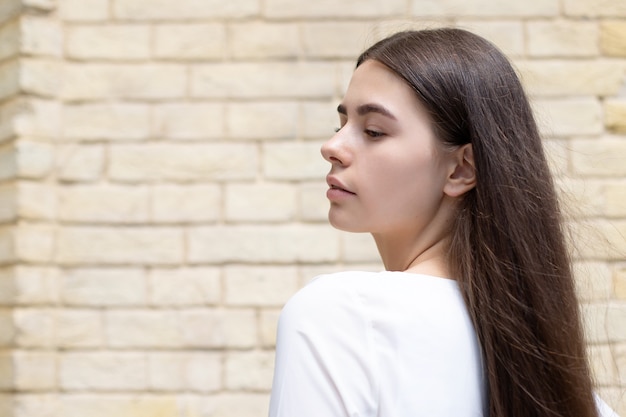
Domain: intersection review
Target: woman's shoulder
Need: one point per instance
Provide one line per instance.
(366, 295)
(328, 293)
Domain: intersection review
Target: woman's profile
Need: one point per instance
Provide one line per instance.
(438, 156)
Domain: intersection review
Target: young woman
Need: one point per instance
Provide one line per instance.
(439, 158)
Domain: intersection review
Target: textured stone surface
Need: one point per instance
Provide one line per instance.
(247, 244)
(485, 8)
(162, 192)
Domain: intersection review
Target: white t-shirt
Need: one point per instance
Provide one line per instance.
(387, 344)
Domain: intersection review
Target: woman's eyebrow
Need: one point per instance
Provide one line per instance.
(363, 109)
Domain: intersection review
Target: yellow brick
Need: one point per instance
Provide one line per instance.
(35, 285)
(40, 76)
(259, 285)
(144, 328)
(485, 8)
(190, 41)
(8, 168)
(36, 201)
(615, 114)
(7, 371)
(507, 35)
(119, 121)
(264, 40)
(272, 202)
(184, 9)
(249, 370)
(613, 38)
(619, 282)
(28, 285)
(557, 155)
(271, 120)
(576, 77)
(593, 281)
(35, 327)
(43, 5)
(312, 201)
(242, 243)
(187, 203)
(35, 242)
(286, 9)
(292, 160)
(582, 198)
(594, 8)
(602, 157)
(103, 287)
(183, 162)
(277, 80)
(615, 199)
(9, 78)
(141, 81)
(268, 326)
(241, 405)
(600, 240)
(562, 38)
(180, 371)
(214, 328)
(318, 119)
(199, 286)
(41, 36)
(37, 117)
(86, 245)
(34, 159)
(35, 370)
(10, 35)
(7, 244)
(559, 117)
(196, 121)
(336, 39)
(79, 162)
(9, 8)
(124, 42)
(102, 371)
(119, 405)
(603, 365)
(36, 404)
(8, 202)
(358, 247)
(103, 204)
(83, 10)
(79, 329)
(8, 330)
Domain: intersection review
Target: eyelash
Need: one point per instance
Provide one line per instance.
(374, 134)
(371, 133)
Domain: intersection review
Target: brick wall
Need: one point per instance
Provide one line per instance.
(161, 187)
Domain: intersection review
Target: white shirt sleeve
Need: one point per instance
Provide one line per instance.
(324, 362)
(603, 408)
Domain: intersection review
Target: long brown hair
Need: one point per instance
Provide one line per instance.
(507, 250)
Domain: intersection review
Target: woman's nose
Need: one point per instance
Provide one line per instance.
(335, 151)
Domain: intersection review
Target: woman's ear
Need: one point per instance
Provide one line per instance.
(462, 177)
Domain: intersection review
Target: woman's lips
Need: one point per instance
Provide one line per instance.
(337, 194)
(337, 191)
(334, 183)
(334, 187)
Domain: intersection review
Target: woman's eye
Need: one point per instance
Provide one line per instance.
(373, 133)
(337, 129)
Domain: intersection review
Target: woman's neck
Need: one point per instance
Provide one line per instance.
(414, 255)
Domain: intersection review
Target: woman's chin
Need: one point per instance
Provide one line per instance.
(345, 225)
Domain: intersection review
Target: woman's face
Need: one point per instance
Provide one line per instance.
(388, 168)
